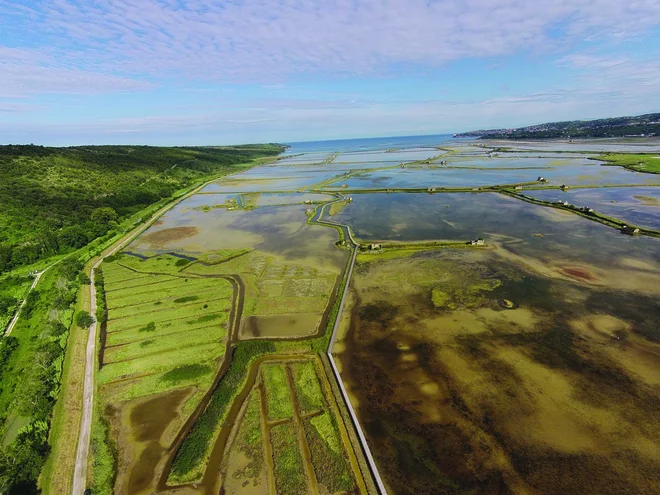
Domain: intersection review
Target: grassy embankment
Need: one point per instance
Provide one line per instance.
(648, 163)
(593, 215)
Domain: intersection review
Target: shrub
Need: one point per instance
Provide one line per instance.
(84, 319)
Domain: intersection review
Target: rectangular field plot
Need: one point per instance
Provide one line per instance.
(168, 328)
(308, 391)
(161, 361)
(171, 303)
(278, 396)
(159, 323)
(156, 290)
(164, 263)
(288, 462)
(328, 457)
(148, 344)
(185, 315)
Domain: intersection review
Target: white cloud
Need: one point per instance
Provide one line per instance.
(268, 41)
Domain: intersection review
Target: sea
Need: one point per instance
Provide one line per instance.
(371, 144)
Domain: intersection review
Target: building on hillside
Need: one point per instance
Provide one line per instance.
(541, 179)
(478, 242)
(563, 187)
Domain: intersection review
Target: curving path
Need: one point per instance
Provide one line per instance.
(13, 321)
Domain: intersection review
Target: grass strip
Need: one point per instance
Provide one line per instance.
(308, 390)
(278, 397)
(328, 456)
(288, 463)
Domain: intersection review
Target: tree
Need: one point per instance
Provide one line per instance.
(5, 257)
(6, 302)
(73, 236)
(84, 319)
(70, 267)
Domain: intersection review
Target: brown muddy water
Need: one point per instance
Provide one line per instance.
(459, 395)
(145, 445)
(279, 326)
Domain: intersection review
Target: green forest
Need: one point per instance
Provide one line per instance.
(55, 200)
(640, 125)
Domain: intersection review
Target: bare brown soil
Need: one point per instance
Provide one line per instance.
(161, 238)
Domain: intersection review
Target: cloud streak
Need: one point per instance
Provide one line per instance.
(268, 41)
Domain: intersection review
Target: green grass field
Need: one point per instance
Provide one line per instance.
(308, 390)
(328, 456)
(278, 396)
(149, 319)
(638, 163)
(289, 469)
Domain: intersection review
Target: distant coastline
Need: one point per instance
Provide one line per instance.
(647, 125)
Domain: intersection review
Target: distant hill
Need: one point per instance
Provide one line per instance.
(641, 125)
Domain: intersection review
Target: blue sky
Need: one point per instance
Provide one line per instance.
(182, 72)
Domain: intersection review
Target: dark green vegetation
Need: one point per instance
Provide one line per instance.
(12, 290)
(187, 372)
(84, 319)
(30, 368)
(58, 199)
(648, 125)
